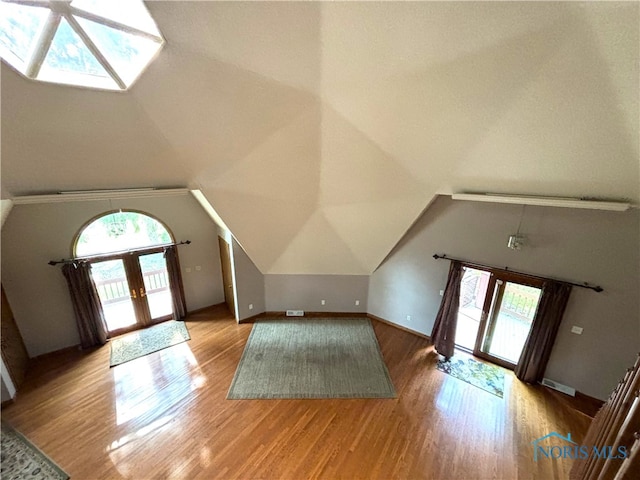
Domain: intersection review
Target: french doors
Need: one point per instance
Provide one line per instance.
(496, 313)
(133, 288)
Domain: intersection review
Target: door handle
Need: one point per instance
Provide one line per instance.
(133, 293)
(142, 292)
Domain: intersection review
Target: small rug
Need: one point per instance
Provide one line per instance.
(312, 358)
(482, 375)
(143, 342)
(20, 459)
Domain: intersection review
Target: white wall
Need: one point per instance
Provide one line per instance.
(249, 283)
(306, 292)
(580, 245)
(35, 234)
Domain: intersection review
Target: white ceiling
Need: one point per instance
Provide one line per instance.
(320, 131)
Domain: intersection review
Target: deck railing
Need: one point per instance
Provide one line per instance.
(521, 301)
(155, 280)
(116, 290)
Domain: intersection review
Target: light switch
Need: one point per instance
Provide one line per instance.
(188, 269)
(198, 268)
(576, 330)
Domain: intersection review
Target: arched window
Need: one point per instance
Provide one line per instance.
(128, 253)
(120, 231)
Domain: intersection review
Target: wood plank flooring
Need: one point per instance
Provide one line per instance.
(166, 416)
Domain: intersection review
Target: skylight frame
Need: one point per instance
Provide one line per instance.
(63, 9)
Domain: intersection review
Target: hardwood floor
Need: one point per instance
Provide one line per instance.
(166, 416)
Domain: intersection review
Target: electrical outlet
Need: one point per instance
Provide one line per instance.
(357, 302)
(322, 302)
(441, 292)
(187, 270)
(198, 268)
(408, 318)
(576, 330)
(251, 306)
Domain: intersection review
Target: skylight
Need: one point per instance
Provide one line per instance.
(104, 44)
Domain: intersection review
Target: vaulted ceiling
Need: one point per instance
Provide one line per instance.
(320, 131)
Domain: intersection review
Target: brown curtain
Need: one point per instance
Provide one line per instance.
(175, 283)
(86, 304)
(537, 348)
(443, 335)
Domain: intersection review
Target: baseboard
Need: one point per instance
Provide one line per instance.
(581, 402)
(342, 314)
(317, 314)
(252, 319)
(55, 353)
(399, 327)
(589, 405)
(200, 310)
(7, 403)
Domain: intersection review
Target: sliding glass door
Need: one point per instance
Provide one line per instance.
(133, 290)
(496, 313)
(473, 290)
(510, 318)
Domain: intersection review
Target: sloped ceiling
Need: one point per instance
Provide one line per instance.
(320, 131)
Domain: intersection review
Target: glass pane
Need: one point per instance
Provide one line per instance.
(473, 289)
(121, 231)
(20, 26)
(70, 61)
(111, 281)
(126, 53)
(128, 12)
(513, 321)
(156, 284)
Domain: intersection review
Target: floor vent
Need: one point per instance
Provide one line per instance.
(558, 386)
(295, 313)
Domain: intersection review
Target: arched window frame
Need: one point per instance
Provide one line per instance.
(93, 219)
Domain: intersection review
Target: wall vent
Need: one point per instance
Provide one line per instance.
(295, 313)
(558, 386)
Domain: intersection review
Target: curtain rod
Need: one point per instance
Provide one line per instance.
(595, 288)
(71, 260)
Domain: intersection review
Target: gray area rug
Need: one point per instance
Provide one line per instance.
(143, 342)
(20, 459)
(312, 358)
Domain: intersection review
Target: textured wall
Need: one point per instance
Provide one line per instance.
(581, 245)
(320, 130)
(34, 234)
(249, 284)
(306, 292)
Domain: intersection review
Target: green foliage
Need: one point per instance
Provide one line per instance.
(121, 231)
